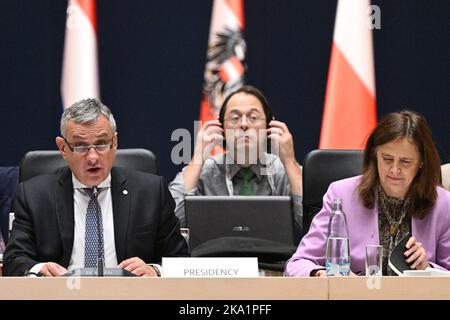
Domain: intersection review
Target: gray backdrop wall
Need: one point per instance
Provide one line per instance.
(152, 56)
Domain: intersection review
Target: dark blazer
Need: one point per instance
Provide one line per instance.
(43, 230)
(9, 177)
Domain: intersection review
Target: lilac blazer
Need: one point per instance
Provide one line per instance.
(433, 231)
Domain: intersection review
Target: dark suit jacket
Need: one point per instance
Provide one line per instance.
(43, 230)
(9, 177)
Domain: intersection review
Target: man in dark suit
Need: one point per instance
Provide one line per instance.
(91, 212)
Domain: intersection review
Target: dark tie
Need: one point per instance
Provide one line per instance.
(93, 247)
(246, 186)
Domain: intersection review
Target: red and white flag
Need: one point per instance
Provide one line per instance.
(224, 70)
(350, 107)
(80, 66)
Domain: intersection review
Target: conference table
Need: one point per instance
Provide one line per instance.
(263, 288)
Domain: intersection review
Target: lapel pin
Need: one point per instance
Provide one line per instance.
(125, 192)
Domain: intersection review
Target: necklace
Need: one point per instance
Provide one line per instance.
(393, 227)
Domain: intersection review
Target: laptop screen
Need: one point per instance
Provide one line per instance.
(263, 217)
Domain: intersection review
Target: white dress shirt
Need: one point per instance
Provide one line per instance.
(81, 201)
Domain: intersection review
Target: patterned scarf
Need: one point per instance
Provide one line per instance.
(393, 224)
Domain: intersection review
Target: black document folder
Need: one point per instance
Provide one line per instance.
(397, 260)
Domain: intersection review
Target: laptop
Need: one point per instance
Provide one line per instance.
(264, 217)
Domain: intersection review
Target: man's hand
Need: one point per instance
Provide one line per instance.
(52, 269)
(281, 138)
(209, 135)
(138, 267)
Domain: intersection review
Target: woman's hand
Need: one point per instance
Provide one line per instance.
(416, 254)
(319, 273)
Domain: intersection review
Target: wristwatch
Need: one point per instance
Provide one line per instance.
(157, 269)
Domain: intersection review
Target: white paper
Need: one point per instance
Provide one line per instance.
(428, 272)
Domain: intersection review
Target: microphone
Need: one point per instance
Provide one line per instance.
(99, 239)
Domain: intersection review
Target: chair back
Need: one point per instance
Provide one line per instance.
(445, 172)
(321, 168)
(45, 161)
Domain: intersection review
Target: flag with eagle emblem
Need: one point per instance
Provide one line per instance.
(225, 67)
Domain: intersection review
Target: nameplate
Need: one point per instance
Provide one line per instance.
(209, 267)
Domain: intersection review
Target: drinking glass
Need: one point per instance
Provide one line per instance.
(374, 260)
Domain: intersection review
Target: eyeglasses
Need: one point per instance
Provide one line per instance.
(236, 119)
(85, 148)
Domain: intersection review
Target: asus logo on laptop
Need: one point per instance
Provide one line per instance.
(241, 229)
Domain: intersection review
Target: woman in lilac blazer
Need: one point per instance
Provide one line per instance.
(397, 193)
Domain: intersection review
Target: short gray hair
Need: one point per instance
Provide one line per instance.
(86, 111)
